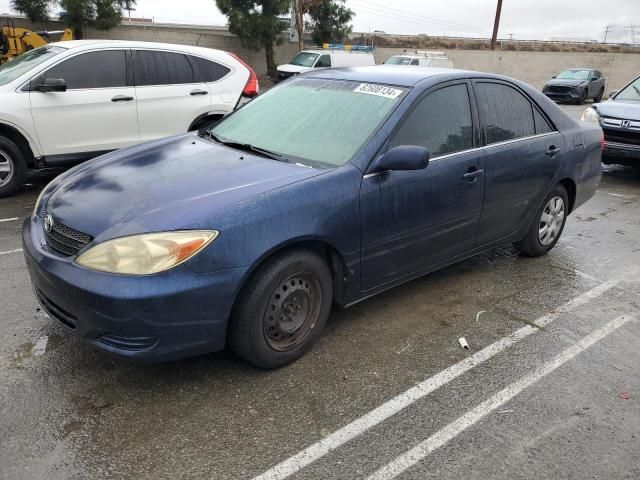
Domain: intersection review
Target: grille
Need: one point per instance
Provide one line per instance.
(65, 240)
(620, 136)
(559, 89)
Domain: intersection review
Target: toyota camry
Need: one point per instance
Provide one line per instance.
(331, 187)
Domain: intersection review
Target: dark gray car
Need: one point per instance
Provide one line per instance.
(575, 85)
(619, 118)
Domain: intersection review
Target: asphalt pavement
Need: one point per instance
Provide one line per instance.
(549, 388)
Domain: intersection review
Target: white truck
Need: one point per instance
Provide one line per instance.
(422, 58)
(326, 57)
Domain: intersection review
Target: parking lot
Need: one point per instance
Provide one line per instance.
(548, 389)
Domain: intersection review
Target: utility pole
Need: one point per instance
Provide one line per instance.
(496, 24)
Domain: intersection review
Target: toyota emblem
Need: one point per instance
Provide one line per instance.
(48, 223)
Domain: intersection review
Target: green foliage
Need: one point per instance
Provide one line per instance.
(256, 24)
(78, 14)
(36, 10)
(330, 21)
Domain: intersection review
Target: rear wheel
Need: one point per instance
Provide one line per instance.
(282, 310)
(547, 226)
(13, 168)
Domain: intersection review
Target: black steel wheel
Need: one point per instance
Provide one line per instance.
(282, 310)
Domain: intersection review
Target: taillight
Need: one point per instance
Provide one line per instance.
(252, 88)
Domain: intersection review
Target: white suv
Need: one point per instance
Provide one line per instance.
(68, 102)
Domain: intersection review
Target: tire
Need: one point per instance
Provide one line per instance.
(553, 214)
(13, 168)
(282, 310)
(598, 99)
(583, 98)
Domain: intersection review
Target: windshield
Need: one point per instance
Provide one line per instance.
(22, 64)
(316, 122)
(304, 59)
(398, 61)
(631, 93)
(574, 75)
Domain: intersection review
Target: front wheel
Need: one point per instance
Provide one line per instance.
(598, 99)
(583, 98)
(282, 310)
(547, 226)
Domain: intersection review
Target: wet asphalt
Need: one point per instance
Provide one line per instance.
(73, 413)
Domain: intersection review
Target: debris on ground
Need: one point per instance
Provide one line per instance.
(463, 343)
(479, 313)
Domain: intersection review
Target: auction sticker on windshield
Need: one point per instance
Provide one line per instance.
(378, 90)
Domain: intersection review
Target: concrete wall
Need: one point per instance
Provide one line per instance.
(531, 67)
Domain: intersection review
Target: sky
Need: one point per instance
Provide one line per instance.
(524, 19)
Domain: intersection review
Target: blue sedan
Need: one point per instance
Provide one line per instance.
(332, 187)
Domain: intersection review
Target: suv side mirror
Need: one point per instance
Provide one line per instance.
(403, 157)
(593, 79)
(51, 85)
(613, 93)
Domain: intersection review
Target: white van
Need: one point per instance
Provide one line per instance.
(326, 58)
(422, 58)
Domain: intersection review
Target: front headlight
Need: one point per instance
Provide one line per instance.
(147, 253)
(590, 115)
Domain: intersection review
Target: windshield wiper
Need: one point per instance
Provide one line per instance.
(247, 147)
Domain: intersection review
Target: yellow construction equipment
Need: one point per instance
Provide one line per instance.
(15, 41)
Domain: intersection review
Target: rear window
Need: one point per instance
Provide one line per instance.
(317, 122)
(304, 59)
(207, 70)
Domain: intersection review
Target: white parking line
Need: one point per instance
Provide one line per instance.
(2, 220)
(8, 252)
(441, 437)
(319, 449)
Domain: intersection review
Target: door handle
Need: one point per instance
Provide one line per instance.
(552, 151)
(198, 92)
(121, 98)
(472, 175)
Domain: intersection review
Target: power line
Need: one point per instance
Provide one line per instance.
(411, 17)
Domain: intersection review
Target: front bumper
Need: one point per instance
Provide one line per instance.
(621, 153)
(161, 317)
(569, 95)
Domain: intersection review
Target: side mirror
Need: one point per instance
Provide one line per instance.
(554, 76)
(593, 79)
(404, 157)
(613, 93)
(51, 85)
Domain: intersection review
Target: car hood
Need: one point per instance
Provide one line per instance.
(564, 82)
(170, 184)
(619, 109)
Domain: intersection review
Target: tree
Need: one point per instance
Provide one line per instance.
(36, 10)
(330, 20)
(78, 14)
(300, 8)
(257, 24)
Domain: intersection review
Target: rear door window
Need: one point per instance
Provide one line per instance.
(441, 122)
(206, 70)
(507, 114)
(154, 67)
(103, 69)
